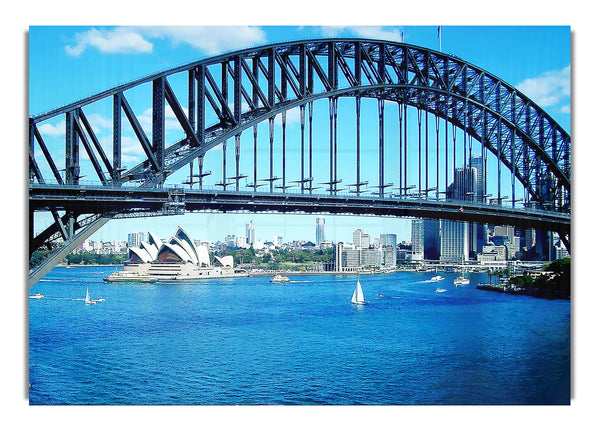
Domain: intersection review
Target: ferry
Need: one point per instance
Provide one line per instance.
(129, 277)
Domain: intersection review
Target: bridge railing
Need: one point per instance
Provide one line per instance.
(519, 207)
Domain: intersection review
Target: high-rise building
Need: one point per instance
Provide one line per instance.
(320, 233)
(387, 242)
(388, 256)
(454, 245)
(357, 237)
(250, 233)
(457, 235)
(134, 239)
(417, 239)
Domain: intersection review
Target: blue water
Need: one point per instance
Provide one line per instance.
(248, 341)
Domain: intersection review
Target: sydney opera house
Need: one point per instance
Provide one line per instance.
(177, 259)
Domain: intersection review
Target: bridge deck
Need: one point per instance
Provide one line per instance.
(83, 199)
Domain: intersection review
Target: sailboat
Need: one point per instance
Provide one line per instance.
(358, 297)
(461, 279)
(87, 297)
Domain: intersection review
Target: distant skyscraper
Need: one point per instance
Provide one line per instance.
(357, 237)
(417, 239)
(425, 238)
(455, 238)
(250, 232)
(134, 239)
(454, 246)
(320, 234)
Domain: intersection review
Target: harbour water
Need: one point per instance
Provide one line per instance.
(248, 341)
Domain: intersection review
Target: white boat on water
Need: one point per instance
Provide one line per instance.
(36, 296)
(358, 297)
(87, 297)
(439, 290)
(461, 280)
(436, 278)
(280, 279)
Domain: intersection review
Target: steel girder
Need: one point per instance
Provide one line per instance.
(271, 79)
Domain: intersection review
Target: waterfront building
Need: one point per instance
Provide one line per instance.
(351, 258)
(454, 244)
(177, 259)
(337, 256)
(388, 256)
(320, 231)
(370, 257)
(417, 237)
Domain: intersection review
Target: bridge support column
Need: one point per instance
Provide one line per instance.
(310, 145)
(237, 162)
(225, 165)
(380, 105)
(358, 100)
(271, 137)
(255, 137)
(302, 179)
(283, 121)
(200, 174)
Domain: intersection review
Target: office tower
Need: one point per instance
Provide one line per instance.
(250, 232)
(478, 230)
(387, 242)
(320, 233)
(458, 235)
(357, 237)
(361, 239)
(134, 239)
(337, 256)
(417, 238)
(454, 244)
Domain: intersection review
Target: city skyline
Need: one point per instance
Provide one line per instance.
(241, 232)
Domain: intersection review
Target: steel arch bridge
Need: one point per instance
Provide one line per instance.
(231, 93)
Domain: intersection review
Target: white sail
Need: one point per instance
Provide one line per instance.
(358, 297)
(87, 295)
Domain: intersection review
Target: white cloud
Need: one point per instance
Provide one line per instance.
(548, 89)
(53, 129)
(208, 39)
(120, 40)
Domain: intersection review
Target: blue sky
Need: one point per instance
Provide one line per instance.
(69, 63)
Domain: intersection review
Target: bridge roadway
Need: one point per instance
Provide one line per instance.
(99, 199)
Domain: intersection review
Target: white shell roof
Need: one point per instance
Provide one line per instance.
(177, 249)
(142, 254)
(151, 249)
(226, 261)
(185, 246)
(203, 256)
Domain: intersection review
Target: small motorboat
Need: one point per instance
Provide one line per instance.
(280, 279)
(437, 278)
(438, 290)
(36, 296)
